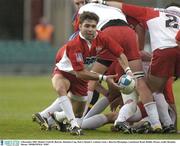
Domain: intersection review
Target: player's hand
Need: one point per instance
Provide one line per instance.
(110, 78)
(129, 72)
(111, 82)
(178, 42)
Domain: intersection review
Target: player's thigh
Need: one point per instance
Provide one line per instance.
(156, 84)
(60, 83)
(136, 65)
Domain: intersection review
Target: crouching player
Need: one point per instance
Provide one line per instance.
(70, 74)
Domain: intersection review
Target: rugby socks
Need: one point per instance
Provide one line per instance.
(136, 117)
(127, 111)
(129, 108)
(94, 122)
(66, 106)
(94, 99)
(60, 116)
(162, 107)
(100, 105)
(51, 109)
(152, 113)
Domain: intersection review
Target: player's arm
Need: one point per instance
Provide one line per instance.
(140, 30)
(87, 75)
(124, 64)
(76, 57)
(140, 13)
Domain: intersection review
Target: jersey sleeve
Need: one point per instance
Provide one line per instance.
(142, 14)
(76, 57)
(59, 54)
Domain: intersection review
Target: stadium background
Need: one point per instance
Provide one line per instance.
(19, 52)
(26, 64)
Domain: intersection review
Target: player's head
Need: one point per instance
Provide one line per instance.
(173, 7)
(79, 3)
(87, 25)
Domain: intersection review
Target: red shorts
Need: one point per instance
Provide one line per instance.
(77, 86)
(115, 68)
(166, 62)
(126, 38)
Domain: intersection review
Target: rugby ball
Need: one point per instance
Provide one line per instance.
(127, 84)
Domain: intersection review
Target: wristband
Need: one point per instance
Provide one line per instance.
(128, 70)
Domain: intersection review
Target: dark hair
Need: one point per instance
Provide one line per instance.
(88, 15)
(173, 4)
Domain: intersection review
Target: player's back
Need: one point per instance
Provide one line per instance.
(163, 29)
(105, 13)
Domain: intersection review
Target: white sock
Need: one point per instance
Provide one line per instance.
(51, 109)
(136, 117)
(162, 107)
(129, 108)
(151, 110)
(94, 122)
(66, 105)
(60, 116)
(99, 106)
(79, 121)
(173, 115)
(127, 111)
(50, 121)
(89, 98)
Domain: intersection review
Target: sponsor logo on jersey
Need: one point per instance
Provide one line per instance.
(99, 48)
(90, 60)
(79, 57)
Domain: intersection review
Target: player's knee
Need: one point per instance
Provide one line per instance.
(61, 90)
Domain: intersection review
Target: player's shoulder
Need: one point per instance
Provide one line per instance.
(74, 41)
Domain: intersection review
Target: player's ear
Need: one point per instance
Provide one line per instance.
(80, 26)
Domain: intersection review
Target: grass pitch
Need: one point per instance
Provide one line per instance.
(21, 96)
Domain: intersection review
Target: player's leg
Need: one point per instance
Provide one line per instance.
(62, 85)
(127, 111)
(101, 104)
(169, 95)
(130, 45)
(98, 120)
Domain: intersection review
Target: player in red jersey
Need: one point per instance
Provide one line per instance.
(70, 73)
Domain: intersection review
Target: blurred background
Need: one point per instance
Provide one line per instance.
(31, 31)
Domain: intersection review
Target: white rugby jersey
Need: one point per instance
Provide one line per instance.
(163, 30)
(105, 13)
(163, 25)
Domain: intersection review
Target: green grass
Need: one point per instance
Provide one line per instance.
(21, 96)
